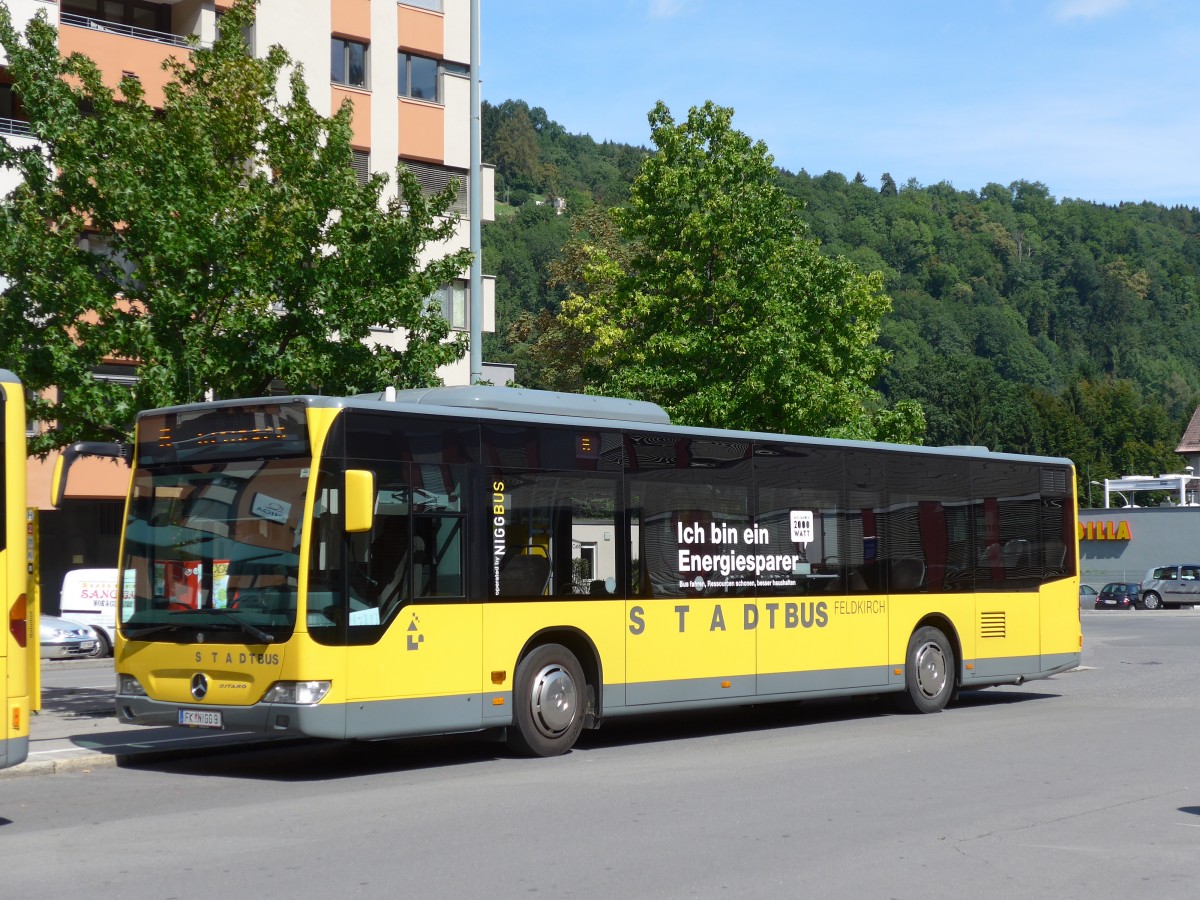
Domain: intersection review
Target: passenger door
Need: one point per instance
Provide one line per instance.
(1188, 591)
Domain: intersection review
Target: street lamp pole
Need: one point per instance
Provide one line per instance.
(1107, 491)
(475, 204)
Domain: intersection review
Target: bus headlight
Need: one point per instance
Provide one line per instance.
(301, 693)
(130, 686)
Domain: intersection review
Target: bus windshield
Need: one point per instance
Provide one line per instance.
(214, 547)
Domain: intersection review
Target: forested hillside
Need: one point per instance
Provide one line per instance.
(1020, 321)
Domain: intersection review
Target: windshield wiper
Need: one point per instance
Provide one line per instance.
(253, 631)
(138, 633)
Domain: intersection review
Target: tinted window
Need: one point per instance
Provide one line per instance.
(928, 528)
(1010, 550)
(800, 509)
(689, 519)
(553, 534)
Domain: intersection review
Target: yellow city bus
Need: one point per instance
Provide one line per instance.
(525, 563)
(19, 656)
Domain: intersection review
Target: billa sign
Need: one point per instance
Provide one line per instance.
(1104, 531)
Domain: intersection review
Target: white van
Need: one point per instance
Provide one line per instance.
(90, 596)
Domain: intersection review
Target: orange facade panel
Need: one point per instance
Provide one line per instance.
(91, 478)
(422, 131)
(224, 5)
(420, 31)
(360, 123)
(351, 18)
(116, 54)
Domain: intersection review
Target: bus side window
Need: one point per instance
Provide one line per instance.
(380, 568)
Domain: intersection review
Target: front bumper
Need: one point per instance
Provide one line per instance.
(276, 719)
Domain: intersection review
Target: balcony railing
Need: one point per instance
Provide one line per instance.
(144, 34)
(14, 127)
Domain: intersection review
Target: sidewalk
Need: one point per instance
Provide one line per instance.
(77, 729)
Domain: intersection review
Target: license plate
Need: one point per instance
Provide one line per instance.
(200, 718)
(87, 645)
(1111, 602)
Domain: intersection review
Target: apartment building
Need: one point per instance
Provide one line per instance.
(405, 68)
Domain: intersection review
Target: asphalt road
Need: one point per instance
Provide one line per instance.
(1086, 785)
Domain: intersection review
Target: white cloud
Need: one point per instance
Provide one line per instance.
(1087, 9)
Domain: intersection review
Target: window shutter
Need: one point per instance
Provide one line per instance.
(434, 180)
(362, 165)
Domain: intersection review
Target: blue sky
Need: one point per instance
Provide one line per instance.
(1097, 99)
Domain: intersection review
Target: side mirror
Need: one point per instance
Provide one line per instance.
(62, 465)
(360, 500)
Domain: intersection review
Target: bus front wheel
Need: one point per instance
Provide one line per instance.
(549, 693)
(928, 671)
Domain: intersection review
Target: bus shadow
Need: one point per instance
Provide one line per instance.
(78, 703)
(323, 760)
(320, 760)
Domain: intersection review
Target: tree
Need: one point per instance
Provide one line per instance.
(221, 242)
(723, 310)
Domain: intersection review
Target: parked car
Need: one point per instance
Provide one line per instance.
(1119, 595)
(1087, 595)
(64, 639)
(1174, 585)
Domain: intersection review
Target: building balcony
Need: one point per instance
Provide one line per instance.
(14, 128)
(132, 31)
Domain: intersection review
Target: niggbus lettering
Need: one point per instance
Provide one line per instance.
(499, 530)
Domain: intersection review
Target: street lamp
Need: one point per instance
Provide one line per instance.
(1108, 490)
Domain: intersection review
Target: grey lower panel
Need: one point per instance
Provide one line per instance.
(1020, 668)
(423, 715)
(824, 682)
(691, 690)
(310, 721)
(1011, 666)
(363, 719)
(13, 751)
(773, 688)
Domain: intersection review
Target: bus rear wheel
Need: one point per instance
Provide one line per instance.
(928, 671)
(549, 694)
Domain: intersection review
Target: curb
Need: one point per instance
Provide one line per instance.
(87, 762)
(60, 766)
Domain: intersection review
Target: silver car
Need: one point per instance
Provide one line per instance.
(1174, 585)
(64, 639)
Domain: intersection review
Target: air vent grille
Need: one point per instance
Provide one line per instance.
(1054, 482)
(992, 625)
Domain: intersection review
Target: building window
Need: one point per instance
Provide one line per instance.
(434, 179)
(452, 300)
(348, 62)
(362, 165)
(418, 77)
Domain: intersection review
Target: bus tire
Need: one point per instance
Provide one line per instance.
(928, 671)
(549, 694)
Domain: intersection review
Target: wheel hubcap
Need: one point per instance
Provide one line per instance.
(553, 700)
(931, 670)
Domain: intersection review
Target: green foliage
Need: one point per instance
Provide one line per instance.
(1011, 308)
(222, 242)
(722, 310)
